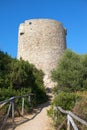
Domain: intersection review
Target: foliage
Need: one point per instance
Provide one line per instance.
(18, 77)
(5, 61)
(80, 108)
(6, 93)
(66, 100)
(71, 77)
(71, 72)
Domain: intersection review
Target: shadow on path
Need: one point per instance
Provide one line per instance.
(26, 119)
(21, 120)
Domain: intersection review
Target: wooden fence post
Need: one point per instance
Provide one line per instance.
(55, 114)
(72, 122)
(22, 105)
(68, 123)
(5, 119)
(12, 104)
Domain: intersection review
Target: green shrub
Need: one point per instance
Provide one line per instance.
(6, 93)
(71, 72)
(66, 100)
(19, 77)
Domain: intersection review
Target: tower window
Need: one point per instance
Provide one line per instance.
(21, 33)
(30, 23)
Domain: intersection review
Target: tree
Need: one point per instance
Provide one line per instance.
(84, 70)
(5, 61)
(19, 77)
(71, 71)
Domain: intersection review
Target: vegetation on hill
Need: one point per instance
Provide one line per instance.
(71, 89)
(18, 77)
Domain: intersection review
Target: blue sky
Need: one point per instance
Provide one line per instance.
(72, 14)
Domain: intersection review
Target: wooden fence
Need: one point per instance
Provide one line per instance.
(12, 106)
(70, 117)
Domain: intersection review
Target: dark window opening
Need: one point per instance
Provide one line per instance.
(30, 23)
(21, 33)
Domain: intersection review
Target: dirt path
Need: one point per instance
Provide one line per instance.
(39, 121)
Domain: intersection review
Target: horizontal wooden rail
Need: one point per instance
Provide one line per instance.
(11, 102)
(70, 117)
(15, 97)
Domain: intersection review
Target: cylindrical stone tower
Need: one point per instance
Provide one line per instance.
(42, 42)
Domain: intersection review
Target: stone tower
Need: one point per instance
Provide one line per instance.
(42, 42)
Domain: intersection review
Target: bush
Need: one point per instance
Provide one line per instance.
(71, 72)
(6, 93)
(65, 100)
(80, 108)
(19, 77)
(71, 77)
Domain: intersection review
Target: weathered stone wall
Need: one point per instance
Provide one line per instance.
(41, 42)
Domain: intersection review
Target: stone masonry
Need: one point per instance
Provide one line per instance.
(42, 42)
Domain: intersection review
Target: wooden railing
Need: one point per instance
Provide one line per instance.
(12, 106)
(69, 119)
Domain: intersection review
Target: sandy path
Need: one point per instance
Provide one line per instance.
(40, 122)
